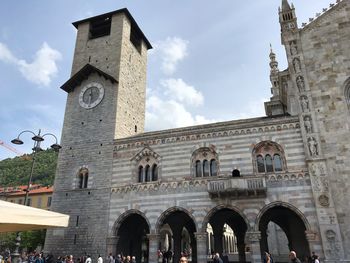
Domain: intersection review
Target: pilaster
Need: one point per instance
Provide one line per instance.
(253, 238)
(201, 239)
(153, 240)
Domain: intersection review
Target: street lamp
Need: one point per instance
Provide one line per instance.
(37, 138)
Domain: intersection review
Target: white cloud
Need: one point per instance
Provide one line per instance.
(179, 90)
(173, 50)
(254, 108)
(6, 55)
(165, 114)
(41, 70)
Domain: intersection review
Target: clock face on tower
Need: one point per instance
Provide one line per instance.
(91, 95)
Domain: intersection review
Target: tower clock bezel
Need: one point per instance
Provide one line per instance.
(82, 96)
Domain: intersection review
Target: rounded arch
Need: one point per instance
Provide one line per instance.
(183, 228)
(281, 204)
(216, 209)
(168, 212)
(236, 173)
(125, 215)
(290, 223)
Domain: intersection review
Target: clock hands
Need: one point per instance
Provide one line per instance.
(90, 97)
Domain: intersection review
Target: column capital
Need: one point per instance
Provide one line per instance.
(153, 236)
(201, 236)
(253, 236)
(310, 235)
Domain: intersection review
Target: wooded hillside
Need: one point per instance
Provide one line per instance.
(16, 171)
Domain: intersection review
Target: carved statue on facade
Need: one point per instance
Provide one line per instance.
(296, 64)
(308, 124)
(313, 146)
(300, 83)
(304, 103)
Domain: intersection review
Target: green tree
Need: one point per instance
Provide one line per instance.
(16, 171)
(30, 240)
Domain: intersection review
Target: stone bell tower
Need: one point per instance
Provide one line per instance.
(105, 101)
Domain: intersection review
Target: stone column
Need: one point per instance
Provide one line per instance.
(201, 238)
(112, 242)
(218, 242)
(254, 240)
(314, 242)
(241, 247)
(153, 241)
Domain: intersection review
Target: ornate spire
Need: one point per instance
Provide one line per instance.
(273, 61)
(285, 6)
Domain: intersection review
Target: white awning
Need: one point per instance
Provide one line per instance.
(15, 217)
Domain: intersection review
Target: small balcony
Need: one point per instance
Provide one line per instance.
(241, 187)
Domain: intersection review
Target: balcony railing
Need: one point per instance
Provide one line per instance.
(238, 187)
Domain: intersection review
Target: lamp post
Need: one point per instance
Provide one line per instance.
(37, 138)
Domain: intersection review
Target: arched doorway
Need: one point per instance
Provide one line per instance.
(177, 229)
(132, 237)
(226, 232)
(282, 230)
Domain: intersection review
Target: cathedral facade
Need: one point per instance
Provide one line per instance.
(239, 188)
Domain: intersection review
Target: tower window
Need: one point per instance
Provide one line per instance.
(135, 38)
(83, 177)
(100, 27)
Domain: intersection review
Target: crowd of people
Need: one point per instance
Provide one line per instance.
(34, 257)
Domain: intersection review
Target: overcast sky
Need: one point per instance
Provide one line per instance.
(209, 62)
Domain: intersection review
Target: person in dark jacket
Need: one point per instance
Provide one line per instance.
(293, 257)
(217, 258)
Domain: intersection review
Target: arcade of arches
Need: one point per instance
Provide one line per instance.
(224, 230)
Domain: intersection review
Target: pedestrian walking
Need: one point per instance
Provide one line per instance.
(293, 257)
(88, 259)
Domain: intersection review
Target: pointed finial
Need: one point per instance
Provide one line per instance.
(285, 5)
(273, 61)
(272, 54)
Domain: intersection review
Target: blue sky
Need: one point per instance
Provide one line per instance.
(209, 62)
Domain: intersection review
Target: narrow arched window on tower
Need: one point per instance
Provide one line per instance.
(268, 162)
(83, 177)
(277, 163)
(154, 172)
(198, 169)
(260, 164)
(205, 168)
(86, 178)
(213, 168)
(81, 181)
